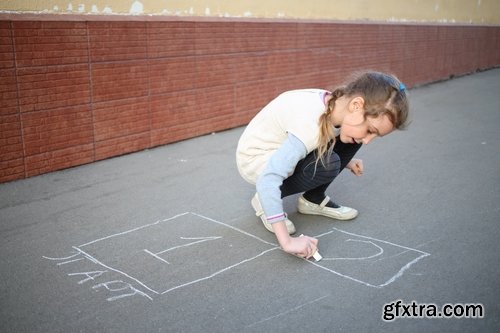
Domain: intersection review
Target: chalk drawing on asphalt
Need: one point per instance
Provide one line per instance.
(188, 249)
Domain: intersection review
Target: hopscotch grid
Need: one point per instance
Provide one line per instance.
(392, 279)
(96, 261)
(275, 247)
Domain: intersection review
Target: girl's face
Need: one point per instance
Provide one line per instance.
(356, 128)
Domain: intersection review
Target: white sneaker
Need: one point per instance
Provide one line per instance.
(260, 213)
(341, 213)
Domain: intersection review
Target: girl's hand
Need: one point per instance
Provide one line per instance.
(303, 246)
(356, 166)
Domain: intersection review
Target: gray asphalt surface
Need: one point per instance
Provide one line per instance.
(165, 240)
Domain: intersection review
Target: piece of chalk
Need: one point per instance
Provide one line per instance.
(317, 256)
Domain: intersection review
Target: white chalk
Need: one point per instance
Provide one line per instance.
(317, 256)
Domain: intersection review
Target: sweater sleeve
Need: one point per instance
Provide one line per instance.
(279, 167)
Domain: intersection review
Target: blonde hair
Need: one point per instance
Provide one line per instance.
(383, 94)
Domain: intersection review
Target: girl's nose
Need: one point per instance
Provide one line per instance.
(368, 138)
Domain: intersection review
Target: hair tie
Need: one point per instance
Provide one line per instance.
(402, 87)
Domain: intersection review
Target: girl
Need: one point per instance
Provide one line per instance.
(303, 139)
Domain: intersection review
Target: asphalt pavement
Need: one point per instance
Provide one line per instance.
(165, 240)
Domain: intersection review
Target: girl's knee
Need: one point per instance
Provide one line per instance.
(332, 163)
(328, 169)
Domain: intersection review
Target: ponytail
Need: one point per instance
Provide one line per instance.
(326, 139)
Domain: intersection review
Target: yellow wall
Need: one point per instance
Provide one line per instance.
(421, 11)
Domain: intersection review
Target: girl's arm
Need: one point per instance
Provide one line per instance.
(280, 166)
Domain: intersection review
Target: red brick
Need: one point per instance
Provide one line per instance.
(121, 145)
(119, 80)
(173, 108)
(314, 60)
(176, 114)
(51, 87)
(171, 39)
(8, 92)
(59, 159)
(254, 37)
(213, 102)
(261, 93)
(121, 118)
(8, 124)
(57, 129)
(6, 46)
(215, 70)
(250, 66)
(11, 146)
(11, 170)
(259, 37)
(50, 43)
(281, 64)
(214, 38)
(172, 74)
(284, 36)
(316, 35)
(114, 41)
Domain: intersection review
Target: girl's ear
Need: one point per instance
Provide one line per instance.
(356, 112)
(357, 104)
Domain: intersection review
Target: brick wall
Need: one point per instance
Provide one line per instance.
(76, 92)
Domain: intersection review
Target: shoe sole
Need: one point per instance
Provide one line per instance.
(309, 211)
(326, 215)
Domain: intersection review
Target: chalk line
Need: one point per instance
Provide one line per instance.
(381, 250)
(132, 230)
(67, 262)
(392, 279)
(404, 268)
(342, 275)
(218, 272)
(127, 286)
(381, 241)
(236, 229)
(201, 240)
(62, 258)
(157, 257)
(288, 311)
(94, 260)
